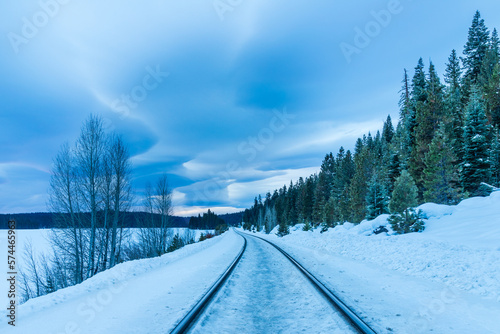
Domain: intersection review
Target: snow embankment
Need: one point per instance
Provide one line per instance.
(443, 280)
(460, 245)
(148, 295)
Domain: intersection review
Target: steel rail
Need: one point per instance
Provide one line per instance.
(186, 323)
(348, 313)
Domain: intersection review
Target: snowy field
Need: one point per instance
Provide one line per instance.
(142, 296)
(40, 242)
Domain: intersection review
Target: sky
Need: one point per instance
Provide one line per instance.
(230, 98)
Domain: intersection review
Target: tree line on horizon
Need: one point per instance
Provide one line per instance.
(445, 148)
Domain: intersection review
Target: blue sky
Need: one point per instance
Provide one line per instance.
(231, 98)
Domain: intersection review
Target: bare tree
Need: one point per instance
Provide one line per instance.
(90, 148)
(155, 233)
(121, 188)
(64, 202)
(148, 231)
(107, 196)
(163, 202)
(89, 193)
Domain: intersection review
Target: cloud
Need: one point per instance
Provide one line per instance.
(23, 186)
(242, 191)
(226, 78)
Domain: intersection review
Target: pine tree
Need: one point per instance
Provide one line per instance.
(434, 102)
(321, 195)
(357, 195)
(283, 229)
(453, 73)
(394, 170)
(365, 164)
(440, 174)
(175, 244)
(495, 45)
(344, 172)
(299, 200)
(404, 197)
(404, 194)
(429, 114)
(330, 214)
(376, 198)
(495, 159)
(404, 99)
(475, 163)
(489, 80)
(490, 60)
(308, 198)
(418, 98)
(454, 115)
(476, 48)
(406, 123)
(388, 130)
(492, 92)
(418, 84)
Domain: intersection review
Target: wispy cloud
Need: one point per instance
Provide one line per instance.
(226, 78)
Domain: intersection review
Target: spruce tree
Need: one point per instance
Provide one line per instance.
(376, 198)
(492, 96)
(475, 49)
(175, 244)
(321, 196)
(440, 173)
(330, 214)
(418, 84)
(429, 114)
(475, 163)
(453, 72)
(357, 195)
(489, 80)
(454, 114)
(283, 229)
(404, 219)
(404, 194)
(495, 159)
(418, 99)
(490, 60)
(364, 164)
(308, 198)
(299, 200)
(388, 130)
(394, 170)
(406, 123)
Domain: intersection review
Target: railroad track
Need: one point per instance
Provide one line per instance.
(191, 318)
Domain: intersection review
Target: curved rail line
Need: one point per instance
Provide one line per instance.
(188, 321)
(345, 310)
(185, 324)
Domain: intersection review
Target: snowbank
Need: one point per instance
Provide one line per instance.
(443, 280)
(111, 277)
(459, 247)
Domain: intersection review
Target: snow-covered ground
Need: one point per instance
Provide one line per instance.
(444, 280)
(143, 296)
(267, 294)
